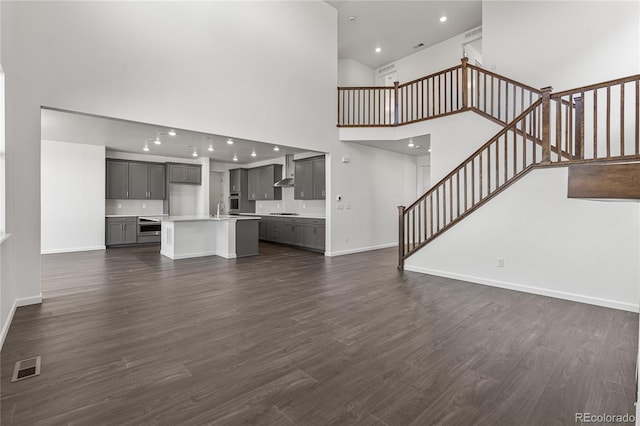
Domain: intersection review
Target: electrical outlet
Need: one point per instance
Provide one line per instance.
(500, 262)
(304, 206)
(278, 205)
(119, 205)
(347, 206)
(339, 206)
(144, 205)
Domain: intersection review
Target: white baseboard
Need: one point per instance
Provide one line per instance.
(608, 303)
(17, 303)
(360, 249)
(7, 324)
(72, 250)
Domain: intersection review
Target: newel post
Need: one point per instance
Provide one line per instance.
(465, 83)
(401, 237)
(578, 150)
(546, 125)
(395, 102)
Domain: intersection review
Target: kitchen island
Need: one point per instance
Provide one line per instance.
(196, 236)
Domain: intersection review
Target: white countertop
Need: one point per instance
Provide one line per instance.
(137, 215)
(196, 218)
(301, 216)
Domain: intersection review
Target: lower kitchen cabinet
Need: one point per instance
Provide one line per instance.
(121, 230)
(300, 232)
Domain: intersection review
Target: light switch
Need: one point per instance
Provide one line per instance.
(339, 206)
(347, 206)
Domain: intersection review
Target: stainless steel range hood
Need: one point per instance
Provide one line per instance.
(289, 168)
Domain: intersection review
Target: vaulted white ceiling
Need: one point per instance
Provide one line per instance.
(397, 26)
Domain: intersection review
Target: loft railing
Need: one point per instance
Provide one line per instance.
(456, 89)
(600, 122)
(597, 122)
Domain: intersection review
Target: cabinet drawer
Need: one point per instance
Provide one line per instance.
(122, 219)
(314, 221)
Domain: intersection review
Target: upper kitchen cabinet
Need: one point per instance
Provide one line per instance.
(309, 179)
(261, 180)
(185, 173)
(319, 182)
(117, 179)
(235, 180)
(135, 180)
(146, 181)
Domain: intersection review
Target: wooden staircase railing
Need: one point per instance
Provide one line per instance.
(456, 89)
(485, 173)
(596, 123)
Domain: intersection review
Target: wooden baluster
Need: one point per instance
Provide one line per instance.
(465, 188)
(492, 100)
(473, 182)
(506, 156)
(559, 128)
(477, 102)
(515, 90)
(413, 228)
(523, 127)
(450, 199)
(465, 83)
(621, 119)
(395, 102)
(431, 214)
(445, 93)
(489, 170)
(458, 193)
(422, 114)
(595, 124)
(438, 209)
(515, 151)
(433, 96)
(608, 121)
(480, 166)
(401, 248)
(499, 99)
(506, 102)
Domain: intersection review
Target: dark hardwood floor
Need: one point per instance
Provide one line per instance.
(128, 337)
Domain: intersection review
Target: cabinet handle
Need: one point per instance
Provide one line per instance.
(127, 194)
(302, 193)
(323, 192)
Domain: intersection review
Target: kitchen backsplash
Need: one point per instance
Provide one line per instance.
(289, 205)
(134, 207)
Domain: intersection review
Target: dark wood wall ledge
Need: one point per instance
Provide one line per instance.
(604, 181)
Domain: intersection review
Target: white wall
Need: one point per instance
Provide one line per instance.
(436, 58)
(72, 193)
(591, 258)
(371, 185)
(564, 44)
(354, 73)
(202, 75)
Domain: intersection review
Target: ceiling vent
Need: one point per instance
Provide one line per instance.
(474, 33)
(418, 46)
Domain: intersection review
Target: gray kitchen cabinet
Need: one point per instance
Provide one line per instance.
(303, 182)
(261, 180)
(234, 180)
(135, 180)
(314, 234)
(263, 228)
(121, 230)
(185, 173)
(319, 178)
(300, 232)
(309, 179)
(117, 179)
(156, 181)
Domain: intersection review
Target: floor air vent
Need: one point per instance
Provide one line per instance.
(26, 368)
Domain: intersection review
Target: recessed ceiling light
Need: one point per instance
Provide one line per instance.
(378, 49)
(253, 153)
(195, 153)
(171, 132)
(429, 149)
(235, 157)
(210, 148)
(230, 141)
(352, 18)
(443, 19)
(417, 146)
(146, 147)
(275, 148)
(157, 141)
(410, 144)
